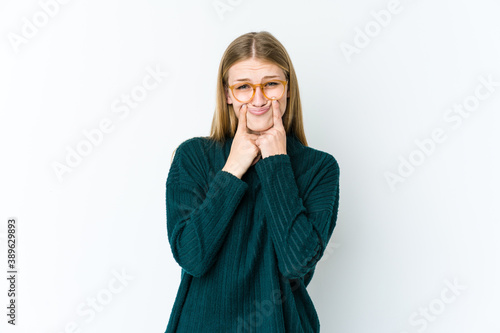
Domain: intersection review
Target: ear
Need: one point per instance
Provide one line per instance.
(228, 98)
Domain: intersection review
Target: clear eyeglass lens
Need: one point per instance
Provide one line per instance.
(272, 89)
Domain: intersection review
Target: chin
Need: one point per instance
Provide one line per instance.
(261, 126)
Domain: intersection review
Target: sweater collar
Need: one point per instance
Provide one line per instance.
(293, 144)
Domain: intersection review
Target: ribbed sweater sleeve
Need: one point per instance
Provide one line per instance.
(198, 212)
(300, 228)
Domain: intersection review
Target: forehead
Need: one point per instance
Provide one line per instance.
(253, 69)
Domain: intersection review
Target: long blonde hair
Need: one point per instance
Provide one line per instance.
(263, 46)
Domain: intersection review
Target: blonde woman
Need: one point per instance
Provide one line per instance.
(251, 208)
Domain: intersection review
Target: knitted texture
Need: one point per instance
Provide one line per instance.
(248, 247)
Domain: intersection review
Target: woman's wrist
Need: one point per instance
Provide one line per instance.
(232, 170)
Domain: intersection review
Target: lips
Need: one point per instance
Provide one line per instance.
(259, 111)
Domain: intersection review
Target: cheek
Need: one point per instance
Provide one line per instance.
(236, 109)
(283, 105)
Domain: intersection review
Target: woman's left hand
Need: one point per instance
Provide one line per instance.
(273, 141)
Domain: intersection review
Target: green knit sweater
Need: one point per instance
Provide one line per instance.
(248, 247)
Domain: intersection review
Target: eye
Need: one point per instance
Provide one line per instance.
(243, 86)
(272, 84)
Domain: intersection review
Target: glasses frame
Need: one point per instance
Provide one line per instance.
(254, 87)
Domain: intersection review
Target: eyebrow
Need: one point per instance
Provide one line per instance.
(265, 77)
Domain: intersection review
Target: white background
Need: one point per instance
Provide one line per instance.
(394, 252)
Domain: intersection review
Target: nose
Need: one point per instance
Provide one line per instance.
(259, 99)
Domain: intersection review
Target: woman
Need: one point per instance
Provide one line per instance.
(251, 208)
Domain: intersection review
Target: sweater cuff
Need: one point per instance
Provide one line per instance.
(273, 166)
(276, 175)
(227, 181)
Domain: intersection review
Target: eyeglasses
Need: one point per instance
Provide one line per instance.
(244, 92)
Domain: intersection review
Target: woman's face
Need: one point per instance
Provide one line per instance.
(256, 71)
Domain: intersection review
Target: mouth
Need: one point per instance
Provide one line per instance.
(259, 111)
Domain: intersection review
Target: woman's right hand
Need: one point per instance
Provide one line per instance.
(244, 152)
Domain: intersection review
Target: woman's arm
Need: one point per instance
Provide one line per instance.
(300, 229)
(198, 215)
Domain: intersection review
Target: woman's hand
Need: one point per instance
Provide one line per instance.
(273, 141)
(244, 152)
